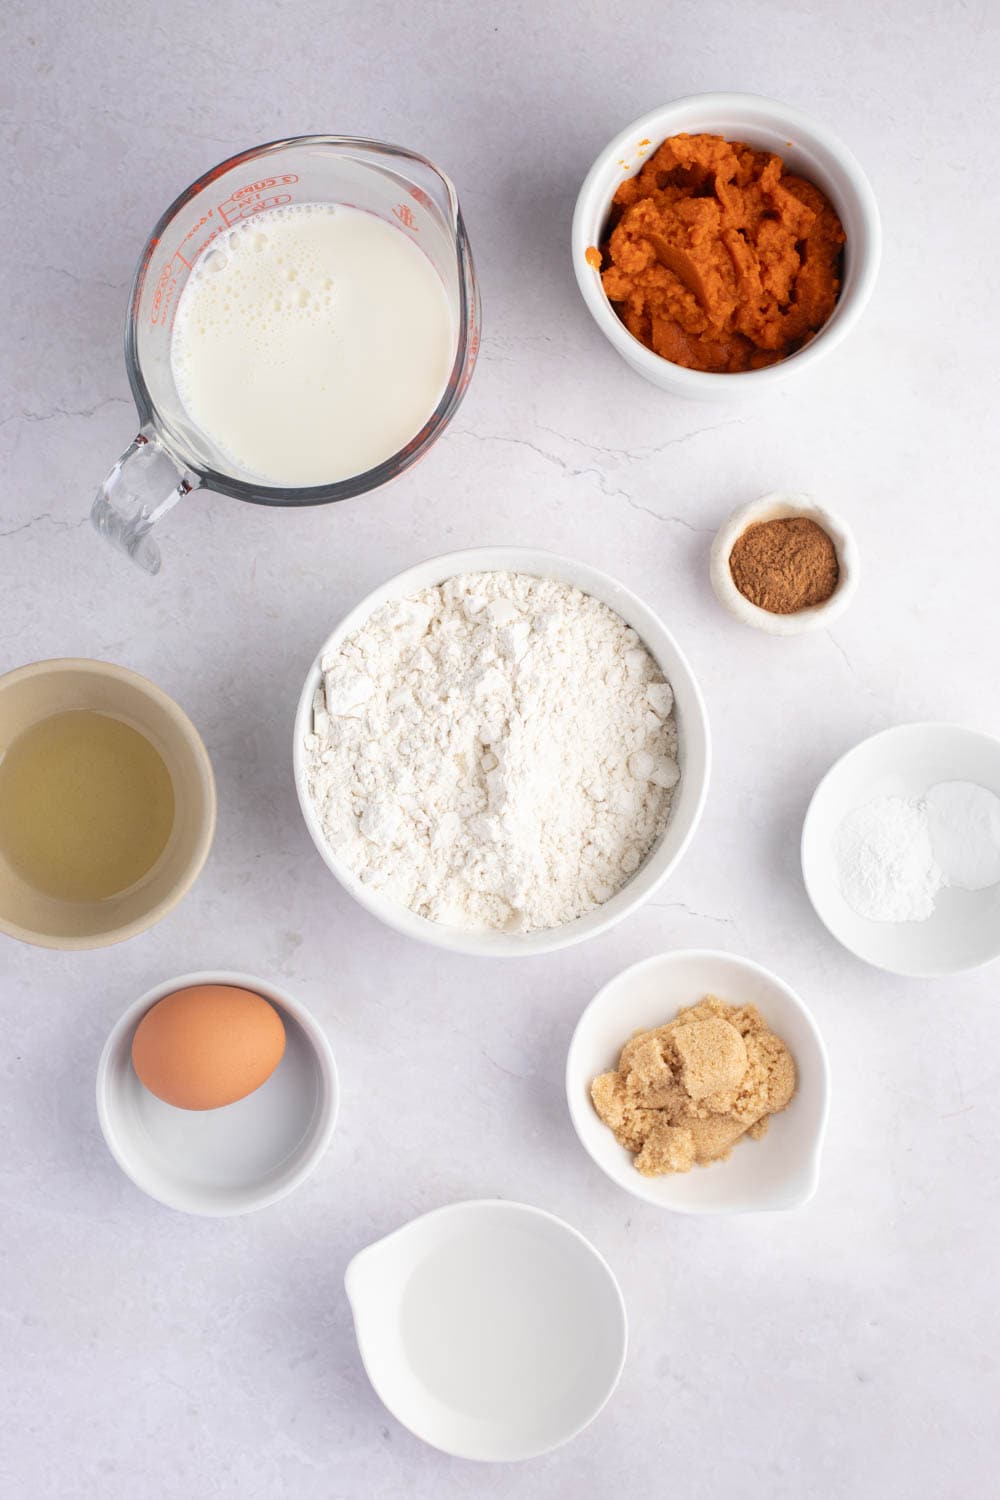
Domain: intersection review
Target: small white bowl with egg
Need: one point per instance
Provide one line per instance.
(242, 1156)
(780, 1171)
(906, 761)
(693, 754)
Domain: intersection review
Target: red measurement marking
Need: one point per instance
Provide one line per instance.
(471, 355)
(192, 233)
(165, 288)
(404, 213)
(249, 207)
(236, 208)
(254, 196)
(180, 263)
(263, 183)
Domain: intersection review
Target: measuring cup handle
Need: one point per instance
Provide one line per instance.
(143, 485)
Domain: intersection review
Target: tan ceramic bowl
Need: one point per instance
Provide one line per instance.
(50, 687)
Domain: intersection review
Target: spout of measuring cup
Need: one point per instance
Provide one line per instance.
(144, 484)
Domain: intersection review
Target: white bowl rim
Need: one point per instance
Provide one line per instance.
(776, 504)
(492, 1204)
(324, 1123)
(699, 955)
(936, 726)
(711, 384)
(533, 561)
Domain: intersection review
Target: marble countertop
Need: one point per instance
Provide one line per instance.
(849, 1348)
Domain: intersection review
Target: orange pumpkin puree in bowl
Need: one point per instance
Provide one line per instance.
(719, 259)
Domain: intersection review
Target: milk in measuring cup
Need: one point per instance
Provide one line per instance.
(312, 343)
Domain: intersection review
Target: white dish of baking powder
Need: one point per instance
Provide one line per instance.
(894, 856)
(901, 849)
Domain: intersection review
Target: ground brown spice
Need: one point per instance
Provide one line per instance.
(784, 566)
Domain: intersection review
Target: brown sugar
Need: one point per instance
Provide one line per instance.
(686, 1092)
(785, 565)
(718, 258)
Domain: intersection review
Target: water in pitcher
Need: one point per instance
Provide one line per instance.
(312, 343)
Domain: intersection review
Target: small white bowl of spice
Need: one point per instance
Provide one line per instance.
(785, 564)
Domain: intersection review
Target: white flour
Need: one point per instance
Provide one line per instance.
(893, 856)
(496, 752)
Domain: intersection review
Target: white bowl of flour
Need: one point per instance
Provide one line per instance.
(501, 752)
(901, 849)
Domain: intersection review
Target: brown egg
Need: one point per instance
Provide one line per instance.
(207, 1046)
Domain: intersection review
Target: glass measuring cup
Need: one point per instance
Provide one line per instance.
(169, 456)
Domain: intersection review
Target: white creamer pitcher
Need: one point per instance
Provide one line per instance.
(492, 1330)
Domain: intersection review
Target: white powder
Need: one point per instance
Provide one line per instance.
(885, 862)
(894, 855)
(496, 752)
(964, 823)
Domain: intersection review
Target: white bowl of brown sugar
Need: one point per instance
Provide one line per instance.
(710, 1046)
(785, 564)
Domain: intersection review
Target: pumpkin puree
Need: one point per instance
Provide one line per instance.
(718, 259)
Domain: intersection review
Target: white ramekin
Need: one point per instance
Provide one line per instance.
(242, 1156)
(694, 753)
(777, 507)
(906, 760)
(811, 150)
